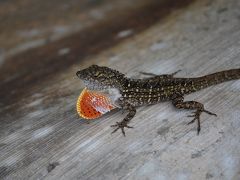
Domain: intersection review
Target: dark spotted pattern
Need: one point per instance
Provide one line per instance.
(157, 88)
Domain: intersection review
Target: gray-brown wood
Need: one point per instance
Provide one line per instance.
(42, 137)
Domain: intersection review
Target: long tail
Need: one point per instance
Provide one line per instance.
(218, 77)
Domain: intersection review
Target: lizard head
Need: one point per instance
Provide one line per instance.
(100, 78)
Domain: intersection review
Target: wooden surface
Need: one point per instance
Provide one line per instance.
(41, 135)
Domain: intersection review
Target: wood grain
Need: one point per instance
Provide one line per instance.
(42, 137)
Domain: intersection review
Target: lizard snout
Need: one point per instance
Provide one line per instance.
(78, 73)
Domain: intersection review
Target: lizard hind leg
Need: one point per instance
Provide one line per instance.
(191, 105)
(161, 76)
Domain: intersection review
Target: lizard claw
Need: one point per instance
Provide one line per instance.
(196, 116)
(176, 72)
(192, 121)
(120, 125)
(193, 114)
(210, 113)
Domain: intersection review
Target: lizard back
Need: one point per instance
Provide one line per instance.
(153, 90)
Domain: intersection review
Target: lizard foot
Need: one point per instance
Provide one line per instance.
(162, 75)
(196, 116)
(121, 125)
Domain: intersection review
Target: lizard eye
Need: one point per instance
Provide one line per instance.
(100, 75)
(97, 74)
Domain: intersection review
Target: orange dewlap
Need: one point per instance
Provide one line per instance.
(91, 104)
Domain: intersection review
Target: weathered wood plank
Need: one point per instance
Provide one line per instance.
(43, 138)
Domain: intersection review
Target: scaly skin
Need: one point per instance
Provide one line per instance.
(152, 90)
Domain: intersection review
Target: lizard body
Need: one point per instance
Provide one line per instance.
(127, 93)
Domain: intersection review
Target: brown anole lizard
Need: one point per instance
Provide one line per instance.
(127, 93)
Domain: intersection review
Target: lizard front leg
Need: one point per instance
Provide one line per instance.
(192, 105)
(124, 123)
